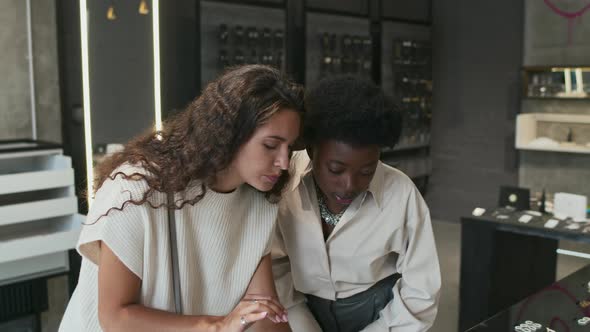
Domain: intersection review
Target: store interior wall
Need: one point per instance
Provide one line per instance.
(550, 42)
(121, 72)
(16, 118)
(477, 55)
(179, 42)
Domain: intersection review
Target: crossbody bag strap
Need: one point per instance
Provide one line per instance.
(174, 253)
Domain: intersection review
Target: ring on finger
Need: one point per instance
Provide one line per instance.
(243, 320)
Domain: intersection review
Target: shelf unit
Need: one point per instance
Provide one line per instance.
(529, 128)
(556, 82)
(232, 33)
(407, 77)
(337, 44)
(39, 220)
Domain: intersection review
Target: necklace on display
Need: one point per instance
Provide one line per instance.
(328, 217)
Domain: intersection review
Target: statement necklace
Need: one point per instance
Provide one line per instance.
(328, 217)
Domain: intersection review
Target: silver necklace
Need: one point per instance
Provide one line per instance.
(328, 217)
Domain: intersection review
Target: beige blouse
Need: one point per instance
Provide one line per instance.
(385, 231)
(221, 241)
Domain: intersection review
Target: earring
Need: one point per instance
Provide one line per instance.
(143, 8)
(111, 15)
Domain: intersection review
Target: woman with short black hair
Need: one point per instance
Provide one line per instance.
(354, 247)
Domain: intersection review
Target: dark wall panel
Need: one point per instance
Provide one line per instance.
(354, 7)
(179, 47)
(418, 10)
(476, 74)
(121, 71)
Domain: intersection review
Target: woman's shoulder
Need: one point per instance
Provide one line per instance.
(126, 176)
(126, 183)
(257, 201)
(129, 171)
(395, 183)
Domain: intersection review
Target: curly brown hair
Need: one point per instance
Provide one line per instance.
(204, 139)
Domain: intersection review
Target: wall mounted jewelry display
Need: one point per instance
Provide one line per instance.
(412, 88)
(406, 73)
(236, 34)
(407, 76)
(337, 44)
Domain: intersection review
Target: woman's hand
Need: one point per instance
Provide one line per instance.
(253, 308)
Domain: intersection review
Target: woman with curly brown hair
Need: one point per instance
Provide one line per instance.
(219, 167)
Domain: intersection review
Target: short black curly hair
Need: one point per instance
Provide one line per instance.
(352, 110)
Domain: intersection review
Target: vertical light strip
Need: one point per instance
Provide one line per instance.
(156, 37)
(568, 81)
(86, 100)
(31, 72)
(579, 81)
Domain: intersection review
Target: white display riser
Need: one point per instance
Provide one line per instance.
(35, 173)
(34, 267)
(22, 241)
(44, 209)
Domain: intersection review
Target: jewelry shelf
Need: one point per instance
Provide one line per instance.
(531, 126)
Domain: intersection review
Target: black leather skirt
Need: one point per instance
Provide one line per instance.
(353, 313)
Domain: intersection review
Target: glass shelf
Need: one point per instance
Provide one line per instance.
(556, 82)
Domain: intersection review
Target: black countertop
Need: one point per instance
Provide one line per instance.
(508, 219)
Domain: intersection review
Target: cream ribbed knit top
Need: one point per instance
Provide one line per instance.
(221, 240)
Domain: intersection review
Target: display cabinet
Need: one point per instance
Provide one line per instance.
(406, 72)
(236, 34)
(412, 89)
(337, 44)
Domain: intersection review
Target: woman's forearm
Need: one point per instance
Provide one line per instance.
(135, 317)
(268, 326)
